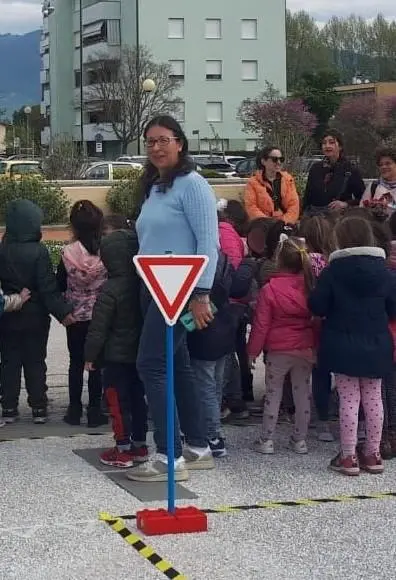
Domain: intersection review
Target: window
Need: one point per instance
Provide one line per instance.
(77, 120)
(213, 28)
(175, 27)
(249, 29)
(98, 172)
(251, 144)
(214, 112)
(94, 33)
(24, 169)
(113, 32)
(249, 70)
(77, 79)
(180, 111)
(214, 70)
(177, 69)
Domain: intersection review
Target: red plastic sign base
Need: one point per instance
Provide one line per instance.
(185, 520)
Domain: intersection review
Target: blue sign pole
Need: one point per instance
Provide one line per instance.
(170, 417)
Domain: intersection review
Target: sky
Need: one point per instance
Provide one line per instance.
(20, 16)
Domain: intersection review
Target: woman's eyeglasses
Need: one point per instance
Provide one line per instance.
(161, 142)
(277, 159)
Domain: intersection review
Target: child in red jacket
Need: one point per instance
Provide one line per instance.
(283, 326)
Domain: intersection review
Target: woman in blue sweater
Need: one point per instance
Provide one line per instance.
(178, 215)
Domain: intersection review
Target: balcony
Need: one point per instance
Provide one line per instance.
(47, 98)
(45, 62)
(44, 77)
(92, 129)
(45, 136)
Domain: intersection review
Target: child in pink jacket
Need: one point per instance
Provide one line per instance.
(232, 230)
(283, 326)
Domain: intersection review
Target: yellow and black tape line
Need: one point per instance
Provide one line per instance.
(147, 552)
(290, 503)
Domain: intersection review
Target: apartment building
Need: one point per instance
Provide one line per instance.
(222, 51)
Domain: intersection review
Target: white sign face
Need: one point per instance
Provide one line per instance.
(170, 280)
(99, 147)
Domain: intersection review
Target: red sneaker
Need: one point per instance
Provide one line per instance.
(345, 465)
(372, 463)
(124, 459)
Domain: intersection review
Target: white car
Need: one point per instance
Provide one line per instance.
(233, 159)
(104, 170)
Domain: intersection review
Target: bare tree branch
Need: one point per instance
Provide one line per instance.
(118, 90)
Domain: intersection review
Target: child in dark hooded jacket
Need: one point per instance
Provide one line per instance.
(113, 339)
(25, 263)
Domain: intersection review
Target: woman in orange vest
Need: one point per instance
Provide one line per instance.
(271, 192)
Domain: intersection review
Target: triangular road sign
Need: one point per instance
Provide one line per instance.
(170, 280)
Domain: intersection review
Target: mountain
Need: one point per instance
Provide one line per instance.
(19, 70)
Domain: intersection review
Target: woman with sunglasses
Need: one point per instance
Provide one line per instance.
(334, 183)
(179, 216)
(271, 192)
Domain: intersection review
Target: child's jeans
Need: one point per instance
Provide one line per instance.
(125, 398)
(209, 377)
(277, 367)
(351, 391)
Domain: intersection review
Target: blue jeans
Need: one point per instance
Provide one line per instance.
(209, 377)
(151, 366)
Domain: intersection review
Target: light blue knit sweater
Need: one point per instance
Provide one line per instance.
(182, 221)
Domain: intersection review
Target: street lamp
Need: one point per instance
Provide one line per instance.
(148, 86)
(28, 111)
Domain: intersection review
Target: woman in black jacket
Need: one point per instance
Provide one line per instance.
(335, 182)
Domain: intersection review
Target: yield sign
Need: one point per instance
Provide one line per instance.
(170, 280)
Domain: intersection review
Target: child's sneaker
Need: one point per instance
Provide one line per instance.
(10, 415)
(266, 447)
(39, 416)
(217, 447)
(371, 463)
(299, 447)
(124, 458)
(345, 465)
(2, 423)
(324, 432)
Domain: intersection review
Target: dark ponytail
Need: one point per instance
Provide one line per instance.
(86, 220)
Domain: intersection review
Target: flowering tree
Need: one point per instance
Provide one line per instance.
(366, 122)
(286, 123)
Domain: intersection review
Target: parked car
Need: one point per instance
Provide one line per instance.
(138, 159)
(105, 170)
(18, 168)
(233, 159)
(246, 168)
(224, 169)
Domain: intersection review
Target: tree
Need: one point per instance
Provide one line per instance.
(65, 160)
(280, 121)
(27, 129)
(366, 122)
(117, 86)
(316, 89)
(305, 49)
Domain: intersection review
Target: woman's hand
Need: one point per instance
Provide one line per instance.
(337, 204)
(201, 311)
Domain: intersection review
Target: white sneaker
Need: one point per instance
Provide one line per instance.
(156, 471)
(2, 423)
(198, 461)
(299, 447)
(324, 432)
(264, 447)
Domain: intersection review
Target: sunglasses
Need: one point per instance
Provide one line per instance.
(277, 159)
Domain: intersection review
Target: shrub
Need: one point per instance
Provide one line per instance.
(301, 183)
(49, 197)
(211, 174)
(124, 197)
(123, 172)
(54, 249)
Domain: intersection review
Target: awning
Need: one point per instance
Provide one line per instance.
(94, 29)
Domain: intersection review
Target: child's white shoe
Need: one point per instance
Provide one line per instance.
(2, 423)
(264, 447)
(299, 447)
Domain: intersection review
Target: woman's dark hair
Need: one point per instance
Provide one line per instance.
(354, 232)
(274, 234)
(264, 154)
(184, 166)
(116, 222)
(385, 152)
(236, 214)
(338, 137)
(86, 221)
(316, 231)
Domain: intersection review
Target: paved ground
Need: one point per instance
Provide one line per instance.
(50, 500)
